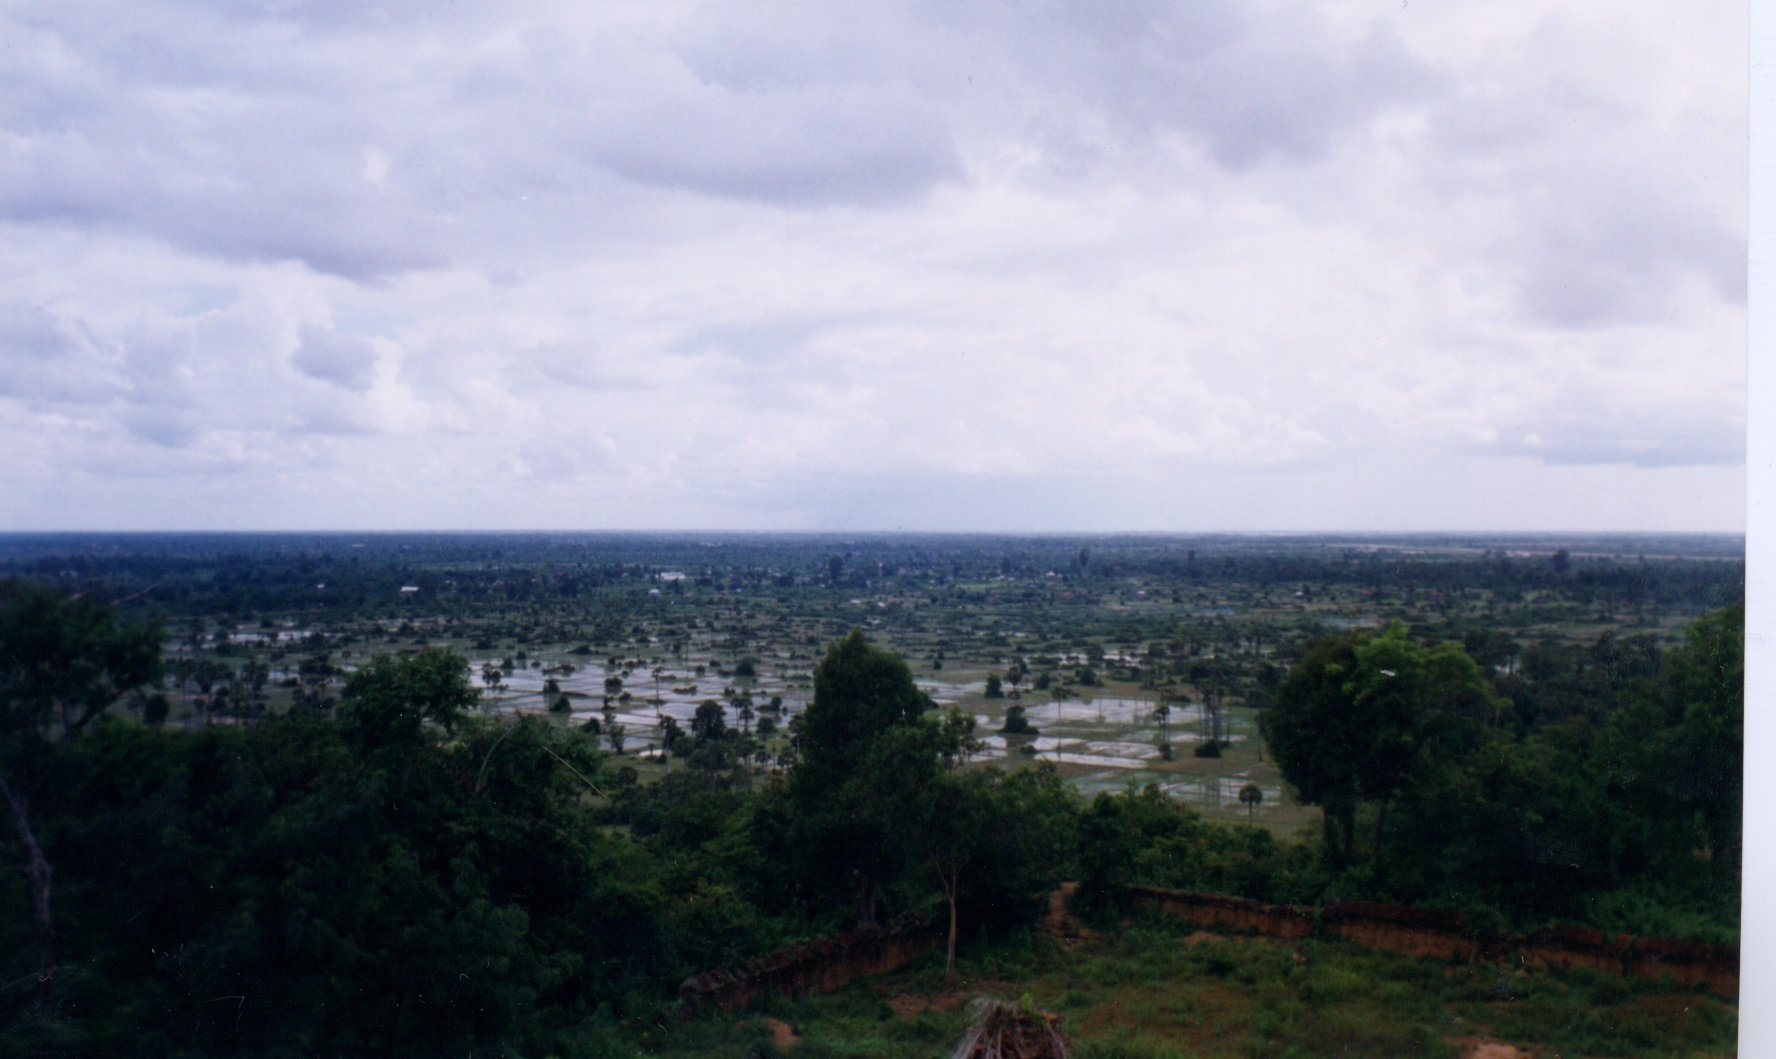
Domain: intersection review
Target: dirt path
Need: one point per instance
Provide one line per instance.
(1059, 922)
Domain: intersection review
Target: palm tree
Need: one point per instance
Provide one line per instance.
(1252, 796)
(1213, 695)
(492, 677)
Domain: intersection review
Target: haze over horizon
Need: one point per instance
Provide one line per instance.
(1366, 266)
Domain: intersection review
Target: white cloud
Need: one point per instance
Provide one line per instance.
(970, 264)
(344, 361)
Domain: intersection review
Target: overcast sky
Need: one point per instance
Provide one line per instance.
(955, 264)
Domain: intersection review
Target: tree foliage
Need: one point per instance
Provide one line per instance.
(404, 875)
(62, 662)
(862, 694)
(1624, 810)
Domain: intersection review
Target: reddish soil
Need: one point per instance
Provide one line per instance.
(1059, 922)
(783, 1035)
(1484, 1049)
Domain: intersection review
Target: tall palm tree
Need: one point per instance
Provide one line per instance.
(1252, 795)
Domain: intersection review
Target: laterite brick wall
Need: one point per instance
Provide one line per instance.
(1435, 934)
(823, 965)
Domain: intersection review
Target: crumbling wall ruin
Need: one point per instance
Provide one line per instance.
(1219, 910)
(828, 964)
(823, 965)
(1437, 934)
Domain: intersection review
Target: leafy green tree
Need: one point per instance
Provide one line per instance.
(62, 663)
(712, 755)
(1109, 843)
(861, 693)
(1144, 836)
(1519, 825)
(1674, 753)
(376, 885)
(995, 687)
(208, 674)
(1397, 693)
(1352, 718)
(968, 825)
(1491, 649)
(387, 703)
(673, 739)
(709, 722)
(946, 817)
(1705, 695)
(1315, 739)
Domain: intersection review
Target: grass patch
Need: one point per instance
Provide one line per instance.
(1143, 992)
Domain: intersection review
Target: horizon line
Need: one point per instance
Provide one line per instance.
(1735, 534)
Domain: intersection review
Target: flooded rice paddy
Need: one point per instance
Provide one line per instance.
(1103, 743)
(1102, 739)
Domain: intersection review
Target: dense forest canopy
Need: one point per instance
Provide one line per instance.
(417, 796)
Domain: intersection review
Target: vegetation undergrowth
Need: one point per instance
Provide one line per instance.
(309, 832)
(1157, 989)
